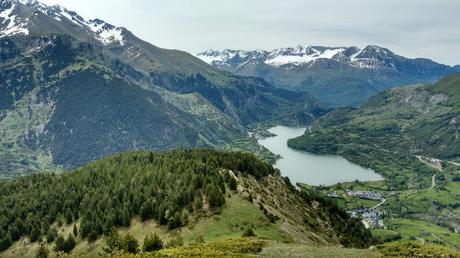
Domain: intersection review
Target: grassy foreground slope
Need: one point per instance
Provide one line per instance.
(190, 194)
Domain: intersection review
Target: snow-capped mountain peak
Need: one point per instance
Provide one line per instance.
(18, 16)
(368, 57)
(300, 55)
(107, 33)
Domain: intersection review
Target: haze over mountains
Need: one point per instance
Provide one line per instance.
(74, 90)
(338, 76)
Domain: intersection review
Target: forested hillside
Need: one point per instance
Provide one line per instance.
(173, 189)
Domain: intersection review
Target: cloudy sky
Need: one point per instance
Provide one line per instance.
(413, 28)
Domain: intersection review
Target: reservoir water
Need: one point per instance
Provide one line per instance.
(303, 167)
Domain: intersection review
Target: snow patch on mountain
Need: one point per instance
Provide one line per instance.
(107, 33)
(211, 56)
(11, 24)
(301, 56)
(68, 15)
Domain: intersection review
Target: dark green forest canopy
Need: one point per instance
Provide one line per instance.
(165, 186)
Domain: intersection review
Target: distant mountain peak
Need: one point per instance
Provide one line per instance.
(300, 55)
(369, 57)
(338, 76)
(373, 51)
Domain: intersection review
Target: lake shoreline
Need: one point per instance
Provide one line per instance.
(308, 168)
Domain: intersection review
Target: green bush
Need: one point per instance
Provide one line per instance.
(51, 235)
(249, 232)
(66, 245)
(415, 249)
(130, 244)
(42, 251)
(176, 241)
(34, 234)
(232, 183)
(152, 242)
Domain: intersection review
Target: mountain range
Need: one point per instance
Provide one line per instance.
(74, 90)
(337, 76)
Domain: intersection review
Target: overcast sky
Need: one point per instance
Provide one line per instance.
(412, 28)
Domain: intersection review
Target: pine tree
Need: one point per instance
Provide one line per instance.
(68, 216)
(51, 235)
(75, 230)
(92, 236)
(125, 217)
(113, 242)
(146, 211)
(34, 234)
(175, 221)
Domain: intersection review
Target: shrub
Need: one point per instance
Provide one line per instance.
(130, 244)
(232, 184)
(66, 245)
(176, 241)
(152, 242)
(92, 236)
(249, 233)
(42, 251)
(199, 239)
(415, 249)
(5, 242)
